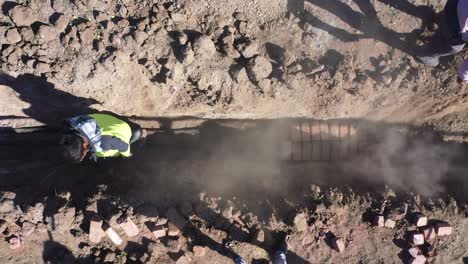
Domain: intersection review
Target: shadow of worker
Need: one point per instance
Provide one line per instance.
(365, 20)
(48, 105)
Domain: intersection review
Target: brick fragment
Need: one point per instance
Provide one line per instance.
(159, 231)
(379, 221)
(420, 220)
(113, 236)
(420, 259)
(417, 238)
(199, 251)
(414, 252)
(429, 233)
(129, 227)
(443, 229)
(172, 230)
(95, 229)
(338, 244)
(389, 223)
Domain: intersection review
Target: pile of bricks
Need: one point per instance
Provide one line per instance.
(172, 228)
(426, 233)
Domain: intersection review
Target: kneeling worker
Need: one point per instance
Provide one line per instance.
(101, 135)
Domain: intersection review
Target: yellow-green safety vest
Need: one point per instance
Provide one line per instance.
(112, 126)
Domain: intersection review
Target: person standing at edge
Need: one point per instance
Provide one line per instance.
(454, 31)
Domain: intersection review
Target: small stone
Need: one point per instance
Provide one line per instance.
(443, 229)
(3, 225)
(183, 260)
(129, 227)
(182, 38)
(420, 220)
(420, 259)
(27, 33)
(140, 36)
(95, 229)
(42, 67)
(178, 18)
(204, 47)
(199, 251)
(429, 233)
(47, 33)
(259, 68)
(23, 16)
(338, 244)
(389, 223)
(250, 50)
(110, 257)
(300, 222)
(27, 228)
(13, 36)
(379, 221)
(240, 16)
(113, 236)
(159, 231)
(243, 27)
(417, 238)
(87, 36)
(172, 230)
(61, 23)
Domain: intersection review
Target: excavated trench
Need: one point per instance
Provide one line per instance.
(184, 157)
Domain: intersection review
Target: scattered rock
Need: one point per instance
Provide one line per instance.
(140, 36)
(250, 49)
(172, 230)
(64, 219)
(35, 214)
(61, 23)
(27, 33)
(3, 225)
(23, 16)
(199, 251)
(27, 228)
(110, 257)
(187, 54)
(42, 67)
(13, 36)
(204, 47)
(259, 68)
(87, 36)
(300, 222)
(47, 33)
(414, 252)
(184, 260)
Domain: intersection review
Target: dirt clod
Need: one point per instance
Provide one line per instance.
(13, 36)
(23, 16)
(259, 68)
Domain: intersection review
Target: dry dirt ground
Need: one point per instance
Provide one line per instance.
(158, 61)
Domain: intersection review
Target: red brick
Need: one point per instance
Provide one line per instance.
(338, 244)
(389, 223)
(379, 221)
(443, 229)
(129, 227)
(95, 229)
(420, 259)
(159, 231)
(428, 232)
(113, 236)
(420, 220)
(417, 238)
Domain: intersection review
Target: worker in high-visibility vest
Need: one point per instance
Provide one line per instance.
(101, 135)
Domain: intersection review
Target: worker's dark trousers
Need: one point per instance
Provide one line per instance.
(448, 40)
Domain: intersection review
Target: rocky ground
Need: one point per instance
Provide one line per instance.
(156, 61)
